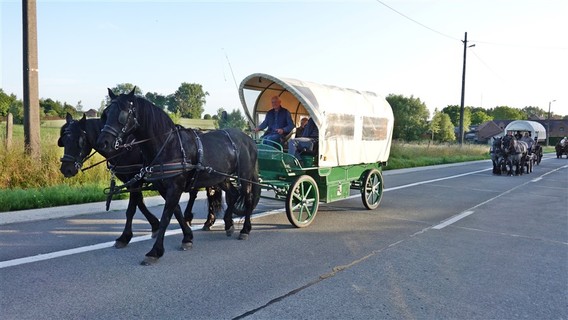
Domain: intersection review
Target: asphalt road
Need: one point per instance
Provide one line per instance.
(447, 242)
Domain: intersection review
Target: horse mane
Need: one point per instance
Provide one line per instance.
(92, 128)
(153, 116)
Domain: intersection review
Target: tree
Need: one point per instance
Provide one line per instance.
(507, 113)
(434, 125)
(5, 102)
(159, 100)
(535, 112)
(442, 127)
(454, 113)
(50, 107)
(17, 110)
(446, 133)
(121, 88)
(79, 106)
(479, 117)
(410, 117)
(67, 108)
(189, 100)
(230, 120)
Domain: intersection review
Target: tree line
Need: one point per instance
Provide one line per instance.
(411, 118)
(412, 121)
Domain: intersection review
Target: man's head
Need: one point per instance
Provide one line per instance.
(275, 103)
(303, 122)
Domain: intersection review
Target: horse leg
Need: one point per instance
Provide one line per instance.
(250, 191)
(214, 200)
(154, 222)
(247, 190)
(126, 235)
(188, 213)
(172, 203)
(231, 195)
(187, 242)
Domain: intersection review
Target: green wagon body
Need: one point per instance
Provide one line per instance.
(279, 169)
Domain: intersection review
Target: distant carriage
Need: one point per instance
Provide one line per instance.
(532, 133)
(561, 149)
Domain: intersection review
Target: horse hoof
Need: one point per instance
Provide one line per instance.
(206, 228)
(230, 231)
(243, 236)
(186, 246)
(148, 261)
(120, 244)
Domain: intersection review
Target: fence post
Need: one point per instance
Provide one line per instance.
(9, 129)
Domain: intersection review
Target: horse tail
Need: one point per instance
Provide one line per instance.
(215, 197)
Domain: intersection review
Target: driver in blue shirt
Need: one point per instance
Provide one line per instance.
(278, 122)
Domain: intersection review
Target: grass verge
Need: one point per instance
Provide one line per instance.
(30, 184)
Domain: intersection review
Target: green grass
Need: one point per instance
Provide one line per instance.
(409, 155)
(197, 123)
(28, 184)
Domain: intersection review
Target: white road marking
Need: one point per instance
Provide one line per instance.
(452, 220)
(110, 244)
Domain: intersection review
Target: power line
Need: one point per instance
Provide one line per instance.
(486, 65)
(476, 41)
(420, 24)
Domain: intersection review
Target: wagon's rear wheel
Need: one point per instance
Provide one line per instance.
(302, 201)
(372, 189)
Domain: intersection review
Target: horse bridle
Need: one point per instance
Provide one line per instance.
(78, 160)
(124, 118)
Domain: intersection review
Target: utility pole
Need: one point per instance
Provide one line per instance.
(31, 91)
(548, 124)
(465, 46)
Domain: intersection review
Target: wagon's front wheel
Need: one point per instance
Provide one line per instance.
(372, 189)
(302, 201)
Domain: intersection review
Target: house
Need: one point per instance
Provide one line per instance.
(91, 113)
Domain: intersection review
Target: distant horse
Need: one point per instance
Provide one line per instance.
(177, 158)
(516, 154)
(498, 156)
(78, 138)
(561, 149)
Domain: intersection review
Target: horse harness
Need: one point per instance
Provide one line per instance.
(154, 172)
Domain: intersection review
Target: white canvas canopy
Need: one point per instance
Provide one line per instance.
(536, 129)
(354, 126)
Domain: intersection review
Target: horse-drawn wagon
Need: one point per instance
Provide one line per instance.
(355, 134)
(561, 148)
(531, 132)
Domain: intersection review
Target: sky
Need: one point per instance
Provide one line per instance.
(412, 48)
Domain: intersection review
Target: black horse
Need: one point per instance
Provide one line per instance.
(177, 158)
(537, 152)
(78, 138)
(516, 152)
(498, 156)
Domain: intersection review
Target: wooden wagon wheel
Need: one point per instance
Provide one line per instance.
(302, 201)
(372, 189)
